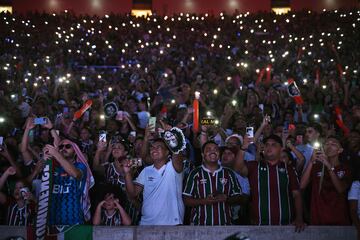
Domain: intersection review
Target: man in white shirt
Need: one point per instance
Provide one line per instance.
(354, 198)
(161, 185)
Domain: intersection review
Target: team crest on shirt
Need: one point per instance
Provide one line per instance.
(223, 181)
(203, 181)
(282, 170)
(150, 179)
(340, 174)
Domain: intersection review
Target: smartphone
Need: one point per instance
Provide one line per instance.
(136, 162)
(152, 123)
(65, 110)
(40, 121)
(14, 97)
(1, 143)
(24, 192)
(250, 132)
(102, 136)
(261, 106)
(133, 133)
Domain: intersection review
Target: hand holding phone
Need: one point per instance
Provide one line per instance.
(1, 143)
(102, 136)
(250, 132)
(40, 121)
(152, 124)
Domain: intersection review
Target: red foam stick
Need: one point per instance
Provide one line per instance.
(340, 122)
(196, 113)
(261, 75)
(300, 51)
(83, 109)
(341, 71)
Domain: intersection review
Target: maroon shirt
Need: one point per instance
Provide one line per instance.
(329, 207)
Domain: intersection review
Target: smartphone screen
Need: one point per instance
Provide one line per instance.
(1, 140)
(152, 123)
(250, 132)
(102, 136)
(40, 121)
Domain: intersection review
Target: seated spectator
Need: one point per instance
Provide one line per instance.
(21, 205)
(109, 212)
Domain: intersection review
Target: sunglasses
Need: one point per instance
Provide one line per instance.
(66, 146)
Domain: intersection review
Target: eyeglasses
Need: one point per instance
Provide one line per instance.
(66, 146)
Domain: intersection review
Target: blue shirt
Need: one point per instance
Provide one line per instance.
(65, 205)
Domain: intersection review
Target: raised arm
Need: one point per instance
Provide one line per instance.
(53, 133)
(240, 165)
(101, 148)
(68, 166)
(299, 156)
(133, 190)
(306, 177)
(26, 154)
(97, 214)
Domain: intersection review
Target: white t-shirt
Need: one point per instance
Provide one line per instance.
(162, 195)
(354, 194)
(307, 151)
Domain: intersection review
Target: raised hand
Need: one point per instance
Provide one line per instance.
(48, 124)
(51, 150)
(29, 123)
(10, 171)
(101, 146)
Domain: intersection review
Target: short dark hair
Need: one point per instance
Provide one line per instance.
(207, 143)
(315, 126)
(274, 137)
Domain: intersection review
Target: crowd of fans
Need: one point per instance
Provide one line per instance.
(264, 159)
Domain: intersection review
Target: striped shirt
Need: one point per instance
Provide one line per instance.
(200, 184)
(271, 192)
(20, 216)
(113, 177)
(110, 220)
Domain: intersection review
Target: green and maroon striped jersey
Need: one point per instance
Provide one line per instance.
(200, 184)
(271, 192)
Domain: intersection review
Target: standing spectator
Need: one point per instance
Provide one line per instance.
(72, 180)
(161, 186)
(273, 184)
(329, 186)
(354, 200)
(211, 189)
(21, 205)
